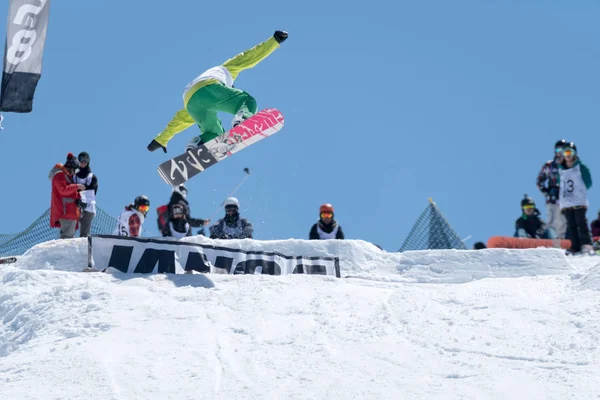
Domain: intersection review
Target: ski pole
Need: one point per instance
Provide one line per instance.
(247, 171)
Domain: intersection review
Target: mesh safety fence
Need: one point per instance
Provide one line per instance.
(432, 231)
(15, 244)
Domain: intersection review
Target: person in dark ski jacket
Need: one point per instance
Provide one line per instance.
(85, 176)
(548, 183)
(530, 225)
(232, 226)
(326, 227)
(575, 181)
(180, 221)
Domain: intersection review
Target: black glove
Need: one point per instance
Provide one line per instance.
(155, 145)
(280, 36)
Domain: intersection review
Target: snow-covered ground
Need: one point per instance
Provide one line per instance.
(489, 324)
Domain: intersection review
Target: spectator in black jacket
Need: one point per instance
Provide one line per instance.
(549, 185)
(530, 225)
(86, 177)
(232, 226)
(326, 227)
(180, 222)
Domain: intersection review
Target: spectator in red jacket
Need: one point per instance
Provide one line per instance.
(64, 209)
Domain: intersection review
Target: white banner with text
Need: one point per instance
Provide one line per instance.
(145, 256)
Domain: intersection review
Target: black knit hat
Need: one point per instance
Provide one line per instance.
(71, 161)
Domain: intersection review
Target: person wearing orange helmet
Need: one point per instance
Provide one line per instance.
(326, 227)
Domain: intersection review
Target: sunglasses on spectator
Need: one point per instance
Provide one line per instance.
(231, 208)
(528, 207)
(569, 152)
(84, 159)
(558, 150)
(326, 215)
(144, 208)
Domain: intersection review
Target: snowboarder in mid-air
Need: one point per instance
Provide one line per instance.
(213, 92)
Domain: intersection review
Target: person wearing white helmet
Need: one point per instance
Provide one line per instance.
(231, 226)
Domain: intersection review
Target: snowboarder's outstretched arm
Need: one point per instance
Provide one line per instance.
(253, 56)
(182, 120)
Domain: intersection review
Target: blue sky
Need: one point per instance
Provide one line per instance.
(386, 104)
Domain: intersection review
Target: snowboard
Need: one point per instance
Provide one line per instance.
(189, 164)
(8, 260)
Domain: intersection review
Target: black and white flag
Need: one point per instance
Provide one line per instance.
(25, 38)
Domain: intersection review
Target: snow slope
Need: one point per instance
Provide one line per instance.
(489, 324)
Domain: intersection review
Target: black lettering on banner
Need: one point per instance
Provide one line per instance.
(165, 259)
(249, 267)
(223, 265)
(316, 270)
(168, 257)
(120, 258)
(310, 269)
(197, 262)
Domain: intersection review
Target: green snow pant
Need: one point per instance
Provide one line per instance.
(208, 100)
